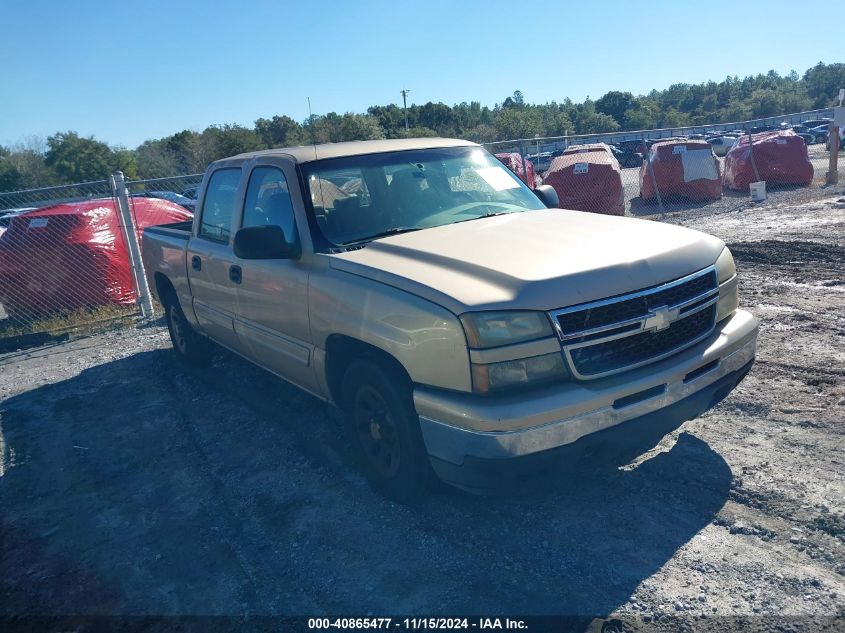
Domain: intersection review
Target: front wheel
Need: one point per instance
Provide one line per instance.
(385, 431)
(189, 346)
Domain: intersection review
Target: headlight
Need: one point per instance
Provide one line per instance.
(728, 295)
(517, 373)
(725, 266)
(494, 329)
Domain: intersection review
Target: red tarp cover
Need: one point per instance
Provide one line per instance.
(682, 169)
(781, 159)
(589, 181)
(73, 255)
(513, 161)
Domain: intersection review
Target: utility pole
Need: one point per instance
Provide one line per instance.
(405, 106)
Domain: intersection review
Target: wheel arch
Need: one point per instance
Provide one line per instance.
(163, 286)
(342, 350)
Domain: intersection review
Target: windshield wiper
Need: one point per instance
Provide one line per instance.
(396, 230)
(489, 214)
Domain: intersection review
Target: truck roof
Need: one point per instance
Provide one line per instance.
(310, 153)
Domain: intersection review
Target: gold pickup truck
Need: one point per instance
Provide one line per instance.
(467, 327)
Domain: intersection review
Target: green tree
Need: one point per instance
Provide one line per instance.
(823, 82)
(765, 102)
(512, 123)
(436, 116)
(615, 104)
(588, 121)
(360, 127)
(156, 160)
(391, 119)
(416, 132)
(643, 115)
(10, 177)
(229, 139)
(673, 118)
(78, 159)
(126, 161)
(482, 133)
(280, 131)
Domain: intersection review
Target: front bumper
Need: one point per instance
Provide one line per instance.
(461, 427)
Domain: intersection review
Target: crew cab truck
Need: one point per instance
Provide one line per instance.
(463, 325)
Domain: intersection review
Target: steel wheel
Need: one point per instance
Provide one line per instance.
(177, 329)
(384, 428)
(189, 346)
(376, 431)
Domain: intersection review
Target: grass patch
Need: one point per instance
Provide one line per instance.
(15, 334)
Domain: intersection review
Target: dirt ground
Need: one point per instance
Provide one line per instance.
(131, 485)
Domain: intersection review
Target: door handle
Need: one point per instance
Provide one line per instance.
(196, 262)
(235, 274)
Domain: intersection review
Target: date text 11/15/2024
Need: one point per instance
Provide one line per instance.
(413, 624)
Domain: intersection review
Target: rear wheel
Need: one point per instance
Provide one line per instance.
(189, 346)
(385, 431)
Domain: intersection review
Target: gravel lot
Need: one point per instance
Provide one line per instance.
(131, 485)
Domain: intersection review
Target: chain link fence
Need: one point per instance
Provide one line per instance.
(656, 172)
(70, 255)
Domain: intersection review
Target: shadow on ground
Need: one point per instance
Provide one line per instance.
(140, 487)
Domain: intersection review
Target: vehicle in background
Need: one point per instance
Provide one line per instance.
(7, 214)
(721, 144)
(47, 252)
(809, 139)
(633, 145)
(811, 123)
(170, 196)
(191, 192)
(522, 167)
(778, 158)
(540, 161)
(588, 178)
(626, 158)
(681, 169)
(841, 140)
(651, 141)
(820, 132)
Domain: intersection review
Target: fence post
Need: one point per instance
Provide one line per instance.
(751, 154)
(832, 175)
(133, 248)
(650, 168)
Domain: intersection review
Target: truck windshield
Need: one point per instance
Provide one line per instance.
(359, 198)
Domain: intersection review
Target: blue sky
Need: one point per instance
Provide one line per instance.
(125, 72)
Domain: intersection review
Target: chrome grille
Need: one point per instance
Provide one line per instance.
(609, 336)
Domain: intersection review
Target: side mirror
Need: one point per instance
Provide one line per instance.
(548, 196)
(264, 242)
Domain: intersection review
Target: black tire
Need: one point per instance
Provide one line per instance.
(385, 431)
(189, 346)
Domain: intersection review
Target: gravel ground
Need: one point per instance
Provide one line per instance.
(131, 485)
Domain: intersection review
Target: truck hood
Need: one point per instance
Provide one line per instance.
(535, 260)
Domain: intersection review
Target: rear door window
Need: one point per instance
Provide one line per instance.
(219, 205)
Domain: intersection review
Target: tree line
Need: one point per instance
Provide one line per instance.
(67, 157)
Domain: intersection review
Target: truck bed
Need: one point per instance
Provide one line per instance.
(179, 230)
(164, 251)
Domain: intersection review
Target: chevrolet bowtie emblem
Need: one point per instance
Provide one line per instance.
(660, 318)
